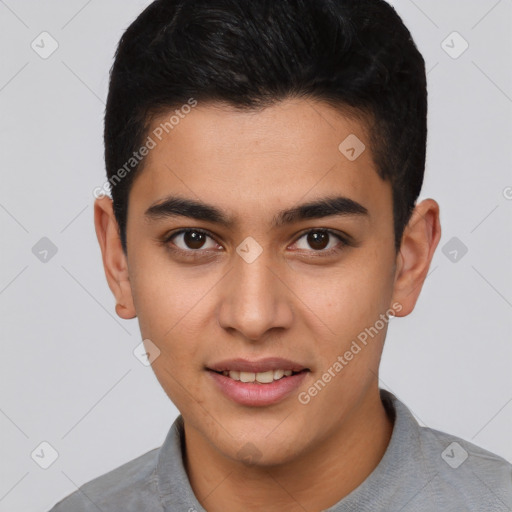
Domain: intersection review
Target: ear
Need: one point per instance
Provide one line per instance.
(114, 259)
(419, 243)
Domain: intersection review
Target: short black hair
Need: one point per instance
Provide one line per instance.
(356, 55)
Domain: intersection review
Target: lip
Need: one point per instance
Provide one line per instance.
(257, 395)
(261, 365)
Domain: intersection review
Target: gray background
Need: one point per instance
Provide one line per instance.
(68, 374)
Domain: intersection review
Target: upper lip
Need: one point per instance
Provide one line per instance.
(258, 366)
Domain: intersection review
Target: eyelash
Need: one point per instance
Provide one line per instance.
(198, 253)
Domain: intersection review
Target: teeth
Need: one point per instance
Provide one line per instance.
(278, 374)
(261, 377)
(265, 377)
(247, 376)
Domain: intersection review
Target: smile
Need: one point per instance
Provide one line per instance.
(257, 383)
(258, 378)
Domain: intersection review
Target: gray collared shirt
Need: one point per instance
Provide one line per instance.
(422, 470)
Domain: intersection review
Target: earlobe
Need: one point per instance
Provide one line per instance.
(419, 241)
(114, 259)
(124, 312)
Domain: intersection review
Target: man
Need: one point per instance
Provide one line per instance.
(264, 160)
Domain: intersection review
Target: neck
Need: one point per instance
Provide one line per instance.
(313, 481)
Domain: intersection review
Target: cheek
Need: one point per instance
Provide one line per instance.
(166, 297)
(345, 300)
(349, 336)
(164, 303)
(173, 307)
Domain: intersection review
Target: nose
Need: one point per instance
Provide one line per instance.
(255, 299)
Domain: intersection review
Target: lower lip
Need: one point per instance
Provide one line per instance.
(254, 394)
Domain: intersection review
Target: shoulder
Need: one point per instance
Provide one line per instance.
(464, 473)
(438, 470)
(130, 487)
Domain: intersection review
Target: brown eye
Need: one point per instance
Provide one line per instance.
(320, 240)
(194, 239)
(191, 240)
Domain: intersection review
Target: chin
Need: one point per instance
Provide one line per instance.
(264, 448)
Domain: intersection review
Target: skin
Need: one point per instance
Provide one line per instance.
(290, 302)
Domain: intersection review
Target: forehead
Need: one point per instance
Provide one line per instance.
(292, 127)
(260, 160)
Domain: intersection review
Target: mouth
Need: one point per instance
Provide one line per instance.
(257, 383)
(266, 377)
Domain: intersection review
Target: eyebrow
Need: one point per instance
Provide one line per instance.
(175, 206)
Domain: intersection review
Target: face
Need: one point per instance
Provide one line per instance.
(239, 286)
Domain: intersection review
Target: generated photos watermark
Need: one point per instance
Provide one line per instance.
(157, 135)
(355, 348)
